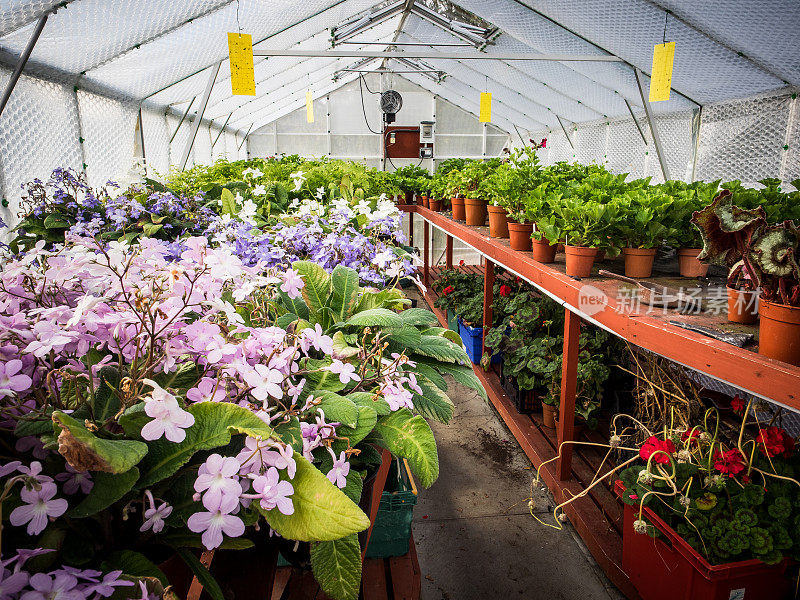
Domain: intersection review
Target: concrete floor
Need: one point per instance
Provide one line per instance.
(474, 534)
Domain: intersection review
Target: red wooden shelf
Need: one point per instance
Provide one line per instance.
(739, 367)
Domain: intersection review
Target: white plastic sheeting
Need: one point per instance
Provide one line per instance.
(97, 62)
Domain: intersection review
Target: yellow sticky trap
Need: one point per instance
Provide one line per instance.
(240, 50)
(309, 107)
(486, 107)
(661, 78)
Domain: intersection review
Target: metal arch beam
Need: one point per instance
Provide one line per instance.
(183, 118)
(216, 139)
(285, 29)
(33, 18)
(22, 61)
(430, 55)
(199, 116)
(653, 129)
(244, 139)
(636, 121)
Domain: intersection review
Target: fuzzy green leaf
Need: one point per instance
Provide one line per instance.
(107, 489)
(85, 451)
(410, 437)
(345, 292)
(337, 567)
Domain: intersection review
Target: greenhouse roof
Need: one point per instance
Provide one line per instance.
(162, 53)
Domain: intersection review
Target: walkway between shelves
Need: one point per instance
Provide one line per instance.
(474, 535)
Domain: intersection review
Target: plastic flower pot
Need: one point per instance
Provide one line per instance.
(689, 265)
(543, 251)
(580, 260)
(667, 568)
(459, 214)
(742, 306)
(548, 416)
(452, 320)
(498, 222)
(519, 236)
(639, 262)
(525, 401)
(436, 205)
(472, 338)
(475, 212)
(392, 531)
(779, 332)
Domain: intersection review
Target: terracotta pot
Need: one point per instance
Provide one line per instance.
(436, 205)
(426, 202)
(559, 247)
(543, 251)
(688, 263)
(519, 235)
(639, 261)
(476, 212)
(548, 416)
(459, 214)
(407, 198)
(498, 222)
(742, 306)
(580, 260)
(779, 332)
(601, 256)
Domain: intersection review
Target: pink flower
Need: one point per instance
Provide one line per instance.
(315, 337)
(274, 493)
(12, 382)
(207, 391)
(39, 505)
(60, 586)
(169, 419)
(292, 284)
(264, 381)
(216, 477)
(12, 583)
(214, 523)
(154, 517)
(346, 371)
(397, 396)
(341, 468)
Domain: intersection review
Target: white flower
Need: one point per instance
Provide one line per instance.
(298, 178)
(320, 193)
(169, 419)
(259, 190)
(264, 381)
(248, 212)
(254, 172)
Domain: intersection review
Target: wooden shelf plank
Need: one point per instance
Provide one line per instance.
(744, 369)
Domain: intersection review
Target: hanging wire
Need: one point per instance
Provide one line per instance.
(666, 16)
(238, 24)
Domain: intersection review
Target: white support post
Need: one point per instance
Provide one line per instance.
(483, 141)
(328, 139)
(199, 117)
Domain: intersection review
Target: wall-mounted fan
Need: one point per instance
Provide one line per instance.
(391, 102)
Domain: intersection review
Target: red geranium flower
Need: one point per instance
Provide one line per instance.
(544, 143)
(448, 290)
(730, 463)
(653, 444)
(690, 435)
(505, 290)
(774, 441)
(738, 405)
(461, 263)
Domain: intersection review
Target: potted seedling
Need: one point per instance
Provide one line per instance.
(764, 256)
(686, 199)
(642, 212)
(585, 224)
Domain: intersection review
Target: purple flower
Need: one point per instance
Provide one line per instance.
(214, 523)
(346, 371)
(207, 390)
(12, 382)
(316, 337)
(217, 478)
(341, 468)
(106, 587)
(397, 396)
(61, 586)
(39, 505)
(264, 381)
(292, 283)
(154, 517)
(169, 419)
(274, 493)
(75, 480)
(11, 583)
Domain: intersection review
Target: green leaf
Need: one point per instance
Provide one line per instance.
(294, 305)
(87, 452)
(317, 286)
(183, 378)
(290, 433)
(345, 292)
(286, 319)
(338, 408)
(322, 512)
(337, 567)
(341, 349)
(228, 203)
(321, 380)
(210, 585)
(354, 486)
(133, 419)
(410, 437)
(431, 374)
(406, 336)
(418, 316)
(186, 539)
(374, 401)
(133, 563)
(367, 418)
(150, 229)
(57, 221)
(106, 402)
(463, 375)
(441, 349)
(392, 298)
(107, 489)
(375, 317)
(433, 402)
(214, 423)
